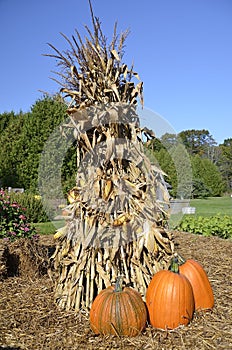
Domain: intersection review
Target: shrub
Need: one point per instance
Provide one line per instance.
(217, 225)
(13, 220)
(34, 211)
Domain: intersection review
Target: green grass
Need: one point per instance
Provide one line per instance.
(208, 207)
(204, 207)
(47, 228)
(212, 206)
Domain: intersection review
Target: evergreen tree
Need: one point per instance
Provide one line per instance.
(24, 137)
(10, 149)
(225, 162)
(209, 174)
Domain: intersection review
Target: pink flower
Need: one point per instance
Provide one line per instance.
(22, 217)
(14, 205)
(12, 233)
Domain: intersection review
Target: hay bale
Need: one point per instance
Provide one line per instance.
(25, 257)
(4, 251)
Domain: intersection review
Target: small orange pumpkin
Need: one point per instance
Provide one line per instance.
(202, 291)
(169, 299)
(118, 311)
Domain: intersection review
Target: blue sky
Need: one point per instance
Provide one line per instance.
(182, 50)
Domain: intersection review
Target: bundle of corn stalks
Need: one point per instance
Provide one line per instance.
(118, 211)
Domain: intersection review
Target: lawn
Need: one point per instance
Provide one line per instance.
(47, 228)
(204, 207)
(212, 206)
(208, 207)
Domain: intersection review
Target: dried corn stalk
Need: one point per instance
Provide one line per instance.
(119, 206)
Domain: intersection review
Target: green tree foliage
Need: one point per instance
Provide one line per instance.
(45, 115)
(200, 190)
(175, 162)
(171, 156)
(198, 142)
(166, 163)
(225, 162)
(154, 144)
(5, 118)
(10, 149)
(183, 168)
(207, 177)
(157, 153)
(169, 140)
(189, 174)
(69, 169)
(23, 139)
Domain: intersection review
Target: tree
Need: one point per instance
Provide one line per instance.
(211, 161)
(198, 142)
(5, 119)
(166, 163)
(225, 162)
(24, 137)
(10, 150)
(154, 144)
(46, 114)
(175, 162)
(200, 190)
(183, 168)
(208, 174)
(169, 140)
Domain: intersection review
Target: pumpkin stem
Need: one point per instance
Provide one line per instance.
(118, 284)
(180, 259)
(174, 267)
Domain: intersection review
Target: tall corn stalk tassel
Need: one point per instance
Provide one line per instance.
(120, 205)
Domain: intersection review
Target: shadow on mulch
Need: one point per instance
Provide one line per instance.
(30, 320)
(8, 348)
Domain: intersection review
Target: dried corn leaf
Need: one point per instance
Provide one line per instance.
(103, 274)
(117, 218)
(115, 55)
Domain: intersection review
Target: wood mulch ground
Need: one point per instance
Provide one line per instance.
(30, 320)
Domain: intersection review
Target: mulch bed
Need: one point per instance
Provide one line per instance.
(29, 319)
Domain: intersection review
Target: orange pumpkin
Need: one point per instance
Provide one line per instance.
(118, 311)
(202, 291)
(169, 299)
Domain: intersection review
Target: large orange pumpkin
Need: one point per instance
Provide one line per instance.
(169, 299)
(202, 291)
(118, 311)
